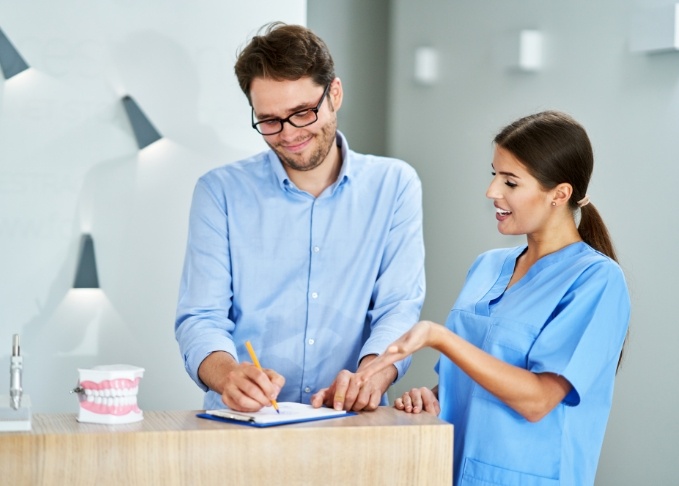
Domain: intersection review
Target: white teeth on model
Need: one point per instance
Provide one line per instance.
(120, 392)
(120, 396)
(502, 211)
(113, 401)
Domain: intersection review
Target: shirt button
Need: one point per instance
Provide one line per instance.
(307, 390)
(311, 342)
(316, 249)
(314, 295)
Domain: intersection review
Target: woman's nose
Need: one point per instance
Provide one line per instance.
(492, 192)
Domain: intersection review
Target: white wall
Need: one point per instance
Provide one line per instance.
(69, 164)
(630, 105)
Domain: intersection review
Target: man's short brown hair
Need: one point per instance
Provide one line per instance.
(284, 52)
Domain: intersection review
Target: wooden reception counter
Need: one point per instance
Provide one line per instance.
(385, 447)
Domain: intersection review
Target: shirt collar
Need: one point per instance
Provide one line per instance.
(345, 170)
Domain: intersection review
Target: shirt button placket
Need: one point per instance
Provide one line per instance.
(310, 374)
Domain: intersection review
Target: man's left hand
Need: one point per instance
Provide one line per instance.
(350, 391)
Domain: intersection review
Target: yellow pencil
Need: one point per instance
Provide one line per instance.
(253, 356)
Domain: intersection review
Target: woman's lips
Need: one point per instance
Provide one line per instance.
(501, 214)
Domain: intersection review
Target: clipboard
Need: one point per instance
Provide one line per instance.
(290, 413)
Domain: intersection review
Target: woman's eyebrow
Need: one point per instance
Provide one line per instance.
(509, 174)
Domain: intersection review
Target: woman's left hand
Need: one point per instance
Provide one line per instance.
(419, 400)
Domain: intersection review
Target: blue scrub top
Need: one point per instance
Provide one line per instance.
(568, 315)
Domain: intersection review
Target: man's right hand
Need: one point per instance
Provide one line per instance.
(243, 386)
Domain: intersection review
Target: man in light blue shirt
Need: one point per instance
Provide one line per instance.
(310, 251)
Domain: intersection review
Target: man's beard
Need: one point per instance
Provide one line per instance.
(326, 138)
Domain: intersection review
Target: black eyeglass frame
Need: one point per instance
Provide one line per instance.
(314, 110)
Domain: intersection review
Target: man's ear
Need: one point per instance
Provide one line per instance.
(336, 94)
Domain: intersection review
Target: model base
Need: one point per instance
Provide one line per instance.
(15, 420)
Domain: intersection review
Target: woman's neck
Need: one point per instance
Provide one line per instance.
(540, 245)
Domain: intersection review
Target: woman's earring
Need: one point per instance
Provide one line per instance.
(553, 203)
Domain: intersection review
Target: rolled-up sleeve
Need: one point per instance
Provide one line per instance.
(400, 286)
(202, 323)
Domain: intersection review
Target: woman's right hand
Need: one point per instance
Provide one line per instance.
(416, 338)
(419, 400)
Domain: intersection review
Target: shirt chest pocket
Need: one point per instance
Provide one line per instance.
(510, 341)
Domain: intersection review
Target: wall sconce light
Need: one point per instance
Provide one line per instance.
(11, 61)
(655, 29)
(144, 131)
(86, 274)
(426, 66)
(520, 51)
(530, 50)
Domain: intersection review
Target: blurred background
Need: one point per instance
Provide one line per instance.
(430, 82)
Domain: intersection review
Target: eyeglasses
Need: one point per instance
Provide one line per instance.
(298, 119)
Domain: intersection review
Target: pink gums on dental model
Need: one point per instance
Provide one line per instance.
(108, 394)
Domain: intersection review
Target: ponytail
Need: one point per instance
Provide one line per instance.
(593, 231)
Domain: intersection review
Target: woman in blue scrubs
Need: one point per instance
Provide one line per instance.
(531, 347)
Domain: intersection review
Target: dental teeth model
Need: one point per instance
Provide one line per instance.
(108, 394)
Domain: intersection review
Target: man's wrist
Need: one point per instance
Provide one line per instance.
(214, 369)
(387, 376)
